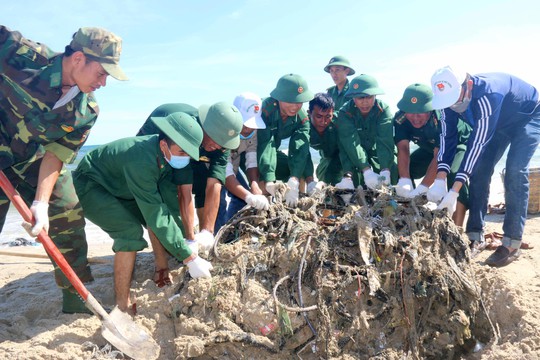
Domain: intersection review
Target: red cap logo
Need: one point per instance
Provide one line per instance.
(256, 108)
(300, 89)
(414, 100)
(440, 86)
(356, 86)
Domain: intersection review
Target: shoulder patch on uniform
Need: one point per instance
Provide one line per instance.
(399, 118)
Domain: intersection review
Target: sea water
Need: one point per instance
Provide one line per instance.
(13, 230)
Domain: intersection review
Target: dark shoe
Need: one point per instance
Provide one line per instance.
(73, 304)
(502, 256)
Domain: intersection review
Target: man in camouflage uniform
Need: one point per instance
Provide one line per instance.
(339, 68)
(47, 109)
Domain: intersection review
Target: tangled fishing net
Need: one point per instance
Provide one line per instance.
(381, 277)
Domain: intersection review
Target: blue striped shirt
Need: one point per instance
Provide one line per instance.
(499, 103)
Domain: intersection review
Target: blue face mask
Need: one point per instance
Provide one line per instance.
(177, 162)
(242, 137)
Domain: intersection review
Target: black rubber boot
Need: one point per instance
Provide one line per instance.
(73, 304)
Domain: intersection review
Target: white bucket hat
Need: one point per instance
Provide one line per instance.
(250, 106)
(446, 85)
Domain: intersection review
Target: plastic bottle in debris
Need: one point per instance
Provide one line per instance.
(267, 329)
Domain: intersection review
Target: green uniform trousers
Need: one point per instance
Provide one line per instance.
(66, 219)
(120, 218)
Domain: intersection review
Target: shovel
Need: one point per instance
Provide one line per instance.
(118, 328)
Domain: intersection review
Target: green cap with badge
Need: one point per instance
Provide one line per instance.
(292, 88)
(339, 61)
(102, 46)
(223, 123)
(183, 130)
(364, 85)
(416, 99)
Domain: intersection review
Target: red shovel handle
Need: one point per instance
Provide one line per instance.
(48, 244)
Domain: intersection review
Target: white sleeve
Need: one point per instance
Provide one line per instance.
(251, 160)
(229, 169)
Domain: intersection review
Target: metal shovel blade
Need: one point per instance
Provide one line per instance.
(120, 330)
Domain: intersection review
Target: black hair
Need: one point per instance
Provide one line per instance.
(322, 100)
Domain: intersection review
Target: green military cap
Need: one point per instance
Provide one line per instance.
(339, 60)
(362, 86)
(416, 99)
(223, 123)
(183, 130)
(292, 88)
(102, 46)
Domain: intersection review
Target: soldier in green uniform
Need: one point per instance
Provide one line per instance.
(416, 121)
(128, 184)
(221, 124)
(284, 118)
(339, 68)
(47, 108)
(366, 137)
(323, 136)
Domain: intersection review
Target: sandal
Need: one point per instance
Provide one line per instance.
(493, 240)
(163, 278)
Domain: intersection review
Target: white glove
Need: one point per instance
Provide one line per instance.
(199, 267)
(404, 187)
(193, 245)
(437, 191)
(39, 211)
(421, 189)
(205, 240)
(386, 175)
(449, 202)
(371, 179)
(314, 187)
(271, 188)
(291, 196)
(345, 183)
(259, 202)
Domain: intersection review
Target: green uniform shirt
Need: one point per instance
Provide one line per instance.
(30, 86)
(294, 127)
(134, 169)
(428, 136)
(329, 169)
(210, 164)
(366, 141)
(338, 96)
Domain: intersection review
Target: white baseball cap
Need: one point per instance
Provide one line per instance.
(250, 106)
(446, 85)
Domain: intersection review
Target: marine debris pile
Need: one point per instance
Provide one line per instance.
(384, 277)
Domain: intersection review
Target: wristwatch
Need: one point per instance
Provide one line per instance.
(348, 174)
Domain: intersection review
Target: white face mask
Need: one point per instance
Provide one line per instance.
(176, 161)
(461, 106)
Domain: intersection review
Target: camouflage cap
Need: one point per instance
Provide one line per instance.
(223, 123)
(364, 85)
(339, 61)
(416, 99)
(102, 46)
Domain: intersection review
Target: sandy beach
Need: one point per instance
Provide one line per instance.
(33, 327)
